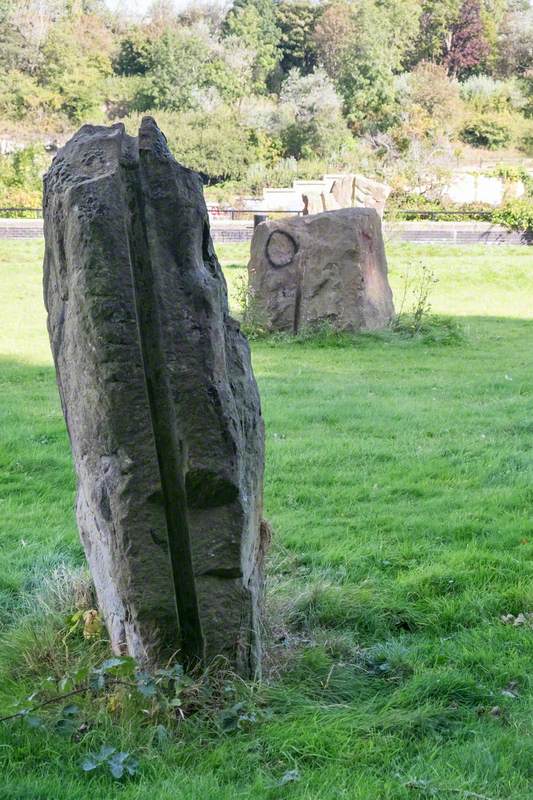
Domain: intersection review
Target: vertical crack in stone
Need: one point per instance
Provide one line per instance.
(168, 442)
(297, 306)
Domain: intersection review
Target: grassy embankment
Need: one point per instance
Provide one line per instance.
(399, 485)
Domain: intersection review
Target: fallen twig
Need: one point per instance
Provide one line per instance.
(464, 792)
(58, 698)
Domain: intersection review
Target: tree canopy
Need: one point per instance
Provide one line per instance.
(278, 79)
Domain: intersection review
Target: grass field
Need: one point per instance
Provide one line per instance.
(399, 484)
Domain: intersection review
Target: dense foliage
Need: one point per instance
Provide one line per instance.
(276, 87)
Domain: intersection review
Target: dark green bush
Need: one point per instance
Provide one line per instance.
(488, 132)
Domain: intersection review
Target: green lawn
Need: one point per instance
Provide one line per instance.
(399, 484)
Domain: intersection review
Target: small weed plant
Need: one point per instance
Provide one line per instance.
(414, 318)
(251, 320)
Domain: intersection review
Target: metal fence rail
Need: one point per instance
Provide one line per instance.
(410, 213)
(236, 225)
(244, 214)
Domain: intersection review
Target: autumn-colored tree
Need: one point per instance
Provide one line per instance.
(430, 103)
(467, 45)
(332, 35)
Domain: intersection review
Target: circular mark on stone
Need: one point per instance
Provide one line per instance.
(281, 248)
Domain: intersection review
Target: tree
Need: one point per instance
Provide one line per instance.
(213, 143)
(24, 27)
(493, 14)
(186, 68)
(430, 104)
(401, 21)
(333, 34)
(296, 21)
(11, 41)
(467, 44)
(253, 23)
(23, 99)
(174, 65)
(316, 127)
(134, 52)
(78, 55)
(436, 21)
(361, 47)
(458, 33)
(515, 43)
(198, 12)
(161, 14)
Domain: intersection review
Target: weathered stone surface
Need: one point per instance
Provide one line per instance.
(159, 398)
(368, 193)
(348, 191)
(330, 202)
(323, 268)
(316, 202)
(313, 203)
(343, 191)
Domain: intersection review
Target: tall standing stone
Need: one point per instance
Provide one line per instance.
(159, 398)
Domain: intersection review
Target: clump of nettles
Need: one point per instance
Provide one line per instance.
(78, 692)
(160, 701)
(252, 323)
(414, 318)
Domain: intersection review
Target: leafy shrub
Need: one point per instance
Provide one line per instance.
(160, 700)
(428, 101)
(77, 58)
(401, 202)
(15, 197)
(516, 214)
(526, 143)
(279, 175)
(133, 53)
(22, 98)
(526, 85)
(24, 168)
(312, 110)
(432, 330)
(21, 177)
(483, 93)
(121, 92)
(511, 174)
(489, 132)
(215, 144)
